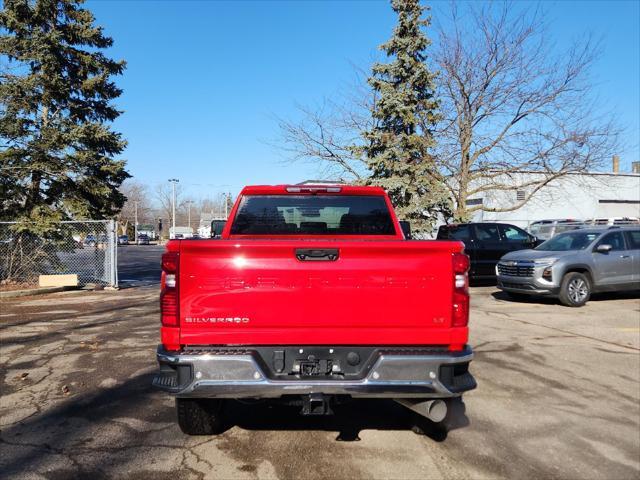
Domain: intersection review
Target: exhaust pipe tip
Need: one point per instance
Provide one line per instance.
(434, 410)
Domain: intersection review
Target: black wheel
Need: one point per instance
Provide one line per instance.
(575, 289)
(200, 417)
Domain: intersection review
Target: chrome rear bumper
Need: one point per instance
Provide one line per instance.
(392, 375)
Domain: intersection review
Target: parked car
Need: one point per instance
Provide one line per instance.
(123, 240)
(615, 221)
(486, 243)
(312, 296)
(545, 229)
(91, 240)
(573, 265)
(143, 239)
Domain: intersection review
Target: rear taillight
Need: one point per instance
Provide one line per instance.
(169, 306)
(460, 300)
(170, 262)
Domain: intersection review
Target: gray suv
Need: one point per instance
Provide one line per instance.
(572, 265)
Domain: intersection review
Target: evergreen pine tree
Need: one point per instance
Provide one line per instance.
(397, 147)
(57, 155)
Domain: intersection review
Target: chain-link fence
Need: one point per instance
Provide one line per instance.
(87, 248)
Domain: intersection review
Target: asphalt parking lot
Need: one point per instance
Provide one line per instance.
(138, 265)
(558, 396)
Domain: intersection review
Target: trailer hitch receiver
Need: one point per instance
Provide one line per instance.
(316, 404)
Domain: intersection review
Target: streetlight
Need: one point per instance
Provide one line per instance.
(173, 182)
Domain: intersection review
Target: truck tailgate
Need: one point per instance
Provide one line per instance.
(239, 292)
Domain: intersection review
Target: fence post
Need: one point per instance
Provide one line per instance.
(106, 261)
(113, 239)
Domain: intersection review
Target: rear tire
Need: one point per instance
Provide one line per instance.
(200, 417)
(575, 289)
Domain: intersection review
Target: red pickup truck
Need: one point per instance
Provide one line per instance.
(312, 295)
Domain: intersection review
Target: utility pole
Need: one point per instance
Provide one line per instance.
(189, 202)
(135, 229)
(173, 182)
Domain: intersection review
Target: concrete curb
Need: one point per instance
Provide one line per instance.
(34, 291)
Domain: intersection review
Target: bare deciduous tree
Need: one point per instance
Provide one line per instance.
(510, 105)
(214, 207)
(164, 197)
(187, 207)
(137, 194)
(331, 134)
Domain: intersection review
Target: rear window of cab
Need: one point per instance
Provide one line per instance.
(313, 215)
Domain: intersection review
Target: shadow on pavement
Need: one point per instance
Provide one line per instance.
(490, 282)
(349, 418)
(62, 431)
(110, 308)
(85, 324)
(524, 298)
(596, 297)
(68, 430)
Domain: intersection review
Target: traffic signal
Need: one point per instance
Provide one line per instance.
(159, 224)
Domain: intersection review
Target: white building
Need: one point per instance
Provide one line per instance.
(180, 232)
(577, 196)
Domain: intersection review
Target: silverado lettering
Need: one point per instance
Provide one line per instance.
(216, 320)
(337, 303)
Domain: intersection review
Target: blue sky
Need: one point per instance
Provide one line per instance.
(206, 78)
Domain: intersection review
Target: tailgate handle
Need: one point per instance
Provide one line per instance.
(317, 254)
